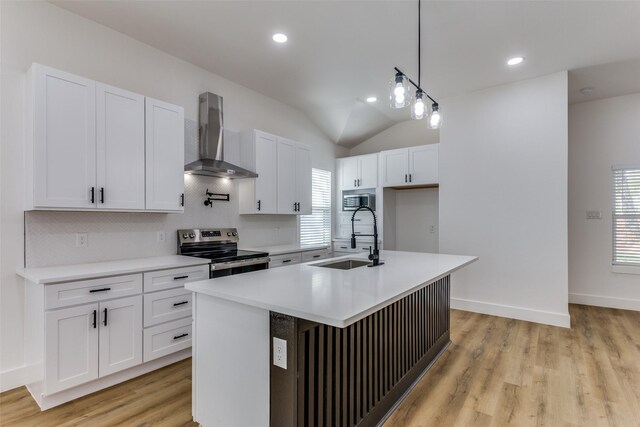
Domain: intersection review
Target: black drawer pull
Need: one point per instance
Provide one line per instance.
(317, 256)
(180, 277)
(99, 290)
(175, 304)
(286, 260)
(180, 336)
(343, 247)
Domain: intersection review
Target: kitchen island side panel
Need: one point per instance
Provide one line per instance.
(230, 363)
(354, 376)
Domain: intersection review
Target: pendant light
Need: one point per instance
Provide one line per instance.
(400, 96)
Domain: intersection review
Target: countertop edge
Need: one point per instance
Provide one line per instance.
(292, 250)
(60, 278)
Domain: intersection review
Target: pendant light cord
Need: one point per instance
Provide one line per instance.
(419, 40)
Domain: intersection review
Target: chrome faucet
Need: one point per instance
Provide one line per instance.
(374, 255)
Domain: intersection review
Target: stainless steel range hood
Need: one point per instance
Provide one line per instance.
(211, 143)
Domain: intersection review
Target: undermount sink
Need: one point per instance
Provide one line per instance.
(345, 264)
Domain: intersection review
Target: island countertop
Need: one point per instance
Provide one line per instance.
(333, 297)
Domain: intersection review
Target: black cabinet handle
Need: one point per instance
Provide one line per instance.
(93, 195)
(180, 336)
(317, 256)
(286, 260)
(105, 317)
(409, 177)
(180, 277)
(343, 247)
(358, 182)
(182, 199)
(355, 182)
(102, 195)
(175, 304)
(259, 204)
(405, 177)
(95, 319)
(99, 290)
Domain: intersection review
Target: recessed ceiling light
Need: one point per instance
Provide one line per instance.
(586, 90)
(371, 99)
(515, 60)
(280, 38)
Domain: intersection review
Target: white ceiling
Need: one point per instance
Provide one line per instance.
(607, 80)
(340, 52)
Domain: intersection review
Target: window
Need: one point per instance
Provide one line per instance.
(626, 215)
(316, 228)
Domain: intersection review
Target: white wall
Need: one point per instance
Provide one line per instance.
(601, 133)
(41, 32)
(405, 134)
(503, 197)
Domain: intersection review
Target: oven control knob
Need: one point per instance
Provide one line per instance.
(235, 234)
(192, 235)
(228, 234)
(185, 235)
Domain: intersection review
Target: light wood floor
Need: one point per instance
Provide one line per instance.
(496, 372)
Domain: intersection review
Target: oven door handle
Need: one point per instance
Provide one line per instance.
(233, 264)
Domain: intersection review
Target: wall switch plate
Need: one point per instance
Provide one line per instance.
(280, 352)
(594, 214)
(160, 236)
(82, 240)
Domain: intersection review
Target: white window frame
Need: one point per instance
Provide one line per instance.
(619, 212)
(328, 227)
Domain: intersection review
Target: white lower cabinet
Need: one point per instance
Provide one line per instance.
(91, 341)
(292, 258)
(167, 338)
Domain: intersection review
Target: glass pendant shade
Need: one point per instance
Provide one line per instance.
(435, 119)
(418, 109)
(399, 95)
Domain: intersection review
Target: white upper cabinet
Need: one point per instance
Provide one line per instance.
(358, 172)
(303, 180)
(286, 176)
(164, 156)
(258, 153)
(91, 146)
(120, 138)
(283, 185)
(61, 153)
(410, 166)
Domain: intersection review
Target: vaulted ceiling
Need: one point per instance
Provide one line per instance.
(340, 52)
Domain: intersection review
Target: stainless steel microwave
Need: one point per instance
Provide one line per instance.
(351, 202)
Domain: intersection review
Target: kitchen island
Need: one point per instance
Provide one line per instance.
(313, 345)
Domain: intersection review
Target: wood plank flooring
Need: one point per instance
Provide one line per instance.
(497, 372)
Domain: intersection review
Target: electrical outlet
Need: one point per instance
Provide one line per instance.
(82, 240)
(280, 352)
(160, 236)
(432, 229)
(594, 214)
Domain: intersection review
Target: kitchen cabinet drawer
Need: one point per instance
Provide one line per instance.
(283, 260)
(167, 338)
(160, 307)
(346, 247)
(316, 255)
(174, 278)
(87, 291)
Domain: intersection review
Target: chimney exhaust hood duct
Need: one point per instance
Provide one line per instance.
(211, 143)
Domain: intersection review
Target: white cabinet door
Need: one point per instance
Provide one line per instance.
(120, 334)
(348, 168)
(368, 166)
(266, 168)
(63, 151)
(164, 156)
(120, 148)
(395, 167)
(286, 171)
(303, 179)
(423, 164)
(71, 347)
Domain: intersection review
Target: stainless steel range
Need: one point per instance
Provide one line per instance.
(220, 246)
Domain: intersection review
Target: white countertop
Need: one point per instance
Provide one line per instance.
(65, 273)
(329, 296)
(287, 249)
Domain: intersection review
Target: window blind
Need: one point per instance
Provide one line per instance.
(626, 215)
(316, 228)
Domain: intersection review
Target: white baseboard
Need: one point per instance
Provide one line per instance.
(602, 301)
(12, 378)
(537, 316)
